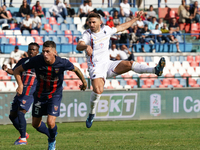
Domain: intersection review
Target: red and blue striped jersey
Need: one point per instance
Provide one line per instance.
(49, 77)
(28, 79)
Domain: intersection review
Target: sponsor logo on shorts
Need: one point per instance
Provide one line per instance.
(155, 104)
(23, 101)
(117, 106)
(55, 107)
(55, 112)
(56, 70)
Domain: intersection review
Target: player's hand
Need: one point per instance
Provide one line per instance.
(139, 14)
(83, 86)
(4, 67)
(19, 90)
(89, 50)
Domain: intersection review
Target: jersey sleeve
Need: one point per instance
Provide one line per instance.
(67, 64)
(112, 30)
(86, 38)
(30, 63)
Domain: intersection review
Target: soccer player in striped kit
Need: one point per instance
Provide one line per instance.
(22, 103)
(95, 41)
(49, 70)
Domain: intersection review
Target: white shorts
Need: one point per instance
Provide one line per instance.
(103, 70)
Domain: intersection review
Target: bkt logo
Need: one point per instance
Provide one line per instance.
(116, 106)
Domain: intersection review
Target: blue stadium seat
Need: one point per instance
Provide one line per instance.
(173, 58)
(56, 39)
(182, 58)
(122, 82)
(4, 40)
(76, 9)
(157, 82)
(170, 86)
(69, 20)
(52, 33)
(80, 60)
(44, 20)
(64, 27)
(43, 33)
(141, 83)
(60, 33)
(60, 20)
(26, 33)
(153, 86)
(183, 82)
(148, 59)
(46, 38)
(64, 40)
(198, 81)
(135, 77)
(177, 75)
(47, 15)
(72, 27)
(135, 86)
(19, 19)
(56, 27)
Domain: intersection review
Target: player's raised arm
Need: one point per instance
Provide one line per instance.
(126, 25)
(80, 75)
(6, 69)
(17, 74)
(82, 46)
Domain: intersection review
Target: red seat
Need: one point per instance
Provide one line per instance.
(190, 58)
(75, 88)
(194, 64)
(72, 59)
(109, 87)
(71, 83)
(197, 58)
(186, 75)
(66, 76)
(166, 82)
(6, 78)
(47, 27)
(127, 77)
(182, 26)
(12, 40)
(187, 28)
(174, 82)
(195, 29)
(52, 20)
(192, 81)
(169, 76)
(34, 33)
(179, 85)
(13, 25)
(161, 86)
(9, 14)
(84, 65)
(195, 85)
(38, 39)
(140, 59)
(148, 82)
(136, 13)
(66, 88)
(172, 14)
(68, 32)
(106, 13)
(145, 86)
(153, 77)
(131, 82)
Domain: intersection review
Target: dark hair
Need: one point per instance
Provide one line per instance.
(33, 44)
(150, 6)
(157, 24)
(94, 15)
(146, 25)
(50, 44)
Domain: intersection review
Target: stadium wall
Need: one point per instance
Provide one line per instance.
(120, 105)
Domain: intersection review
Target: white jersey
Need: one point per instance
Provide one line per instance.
(99, 43)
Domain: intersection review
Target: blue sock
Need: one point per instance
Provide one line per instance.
(15, 121)
(52, 133)
(22, 124)
(43, 129)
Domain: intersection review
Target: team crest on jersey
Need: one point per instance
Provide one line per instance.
(57, 70)
(55, 107)
(23, 102)
(101, 45)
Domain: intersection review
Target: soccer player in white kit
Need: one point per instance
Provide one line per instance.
(95, 41)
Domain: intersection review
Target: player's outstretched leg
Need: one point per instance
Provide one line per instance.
(160, 66)
(94, 98)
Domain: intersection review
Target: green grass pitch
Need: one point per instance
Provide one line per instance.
(177, 134)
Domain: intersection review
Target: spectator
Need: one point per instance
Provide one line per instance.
(174, 28)
(16, 55)
(24, 9)
(91, 9)
(58, 10)
(4, 18)
(140, 24)
(110, 22)
(26, 24)
(160, 22)
(161, 39)
(134, 37)
(194, 11)
(38, 8)
(70, 11)
(125, 53)
(128, 19)
(4, 3)
(108, 3)
(169, 38)
(86, 25)
(116, 20)
(36, 22)
(181, 7)
(84, 9)
(114, 54)
(152, 24)
(125, 8)
(184, 16)
(146, 37)
(151, 13)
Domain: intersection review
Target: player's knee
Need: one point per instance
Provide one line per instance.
(98, 89)
(50, 123)
(129, 64)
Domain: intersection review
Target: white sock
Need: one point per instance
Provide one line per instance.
(94, 98)
(142, 68)
(23, 139)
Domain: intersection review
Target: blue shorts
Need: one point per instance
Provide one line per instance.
(44, 106)
(21, 102)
